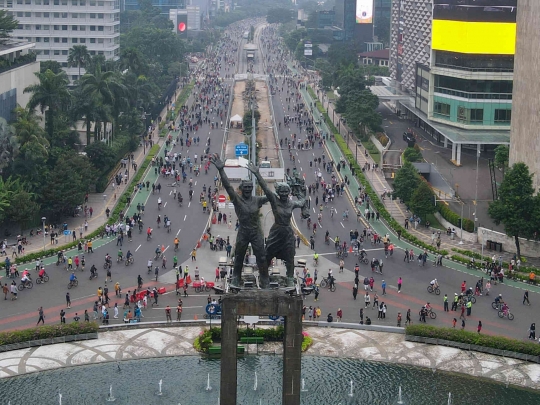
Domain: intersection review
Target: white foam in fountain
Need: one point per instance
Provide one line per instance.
(110, 397)
(160, 383)
(208, 388)
(255, 383)
(400, 400)
(449, 398)
(351, 391)
(303, 386)
(60, 398)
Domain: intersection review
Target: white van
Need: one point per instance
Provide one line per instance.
(265, 164)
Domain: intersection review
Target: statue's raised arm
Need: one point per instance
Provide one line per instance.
(224, 179)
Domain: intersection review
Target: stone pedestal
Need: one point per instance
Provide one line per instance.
(262, 303)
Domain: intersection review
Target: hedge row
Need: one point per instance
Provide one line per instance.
(454, 218)
(474, 338)
(114, 216)
(207, 337)
(48, 332)
(523, 269)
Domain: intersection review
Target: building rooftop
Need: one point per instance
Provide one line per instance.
(380, 54)
(13, 46)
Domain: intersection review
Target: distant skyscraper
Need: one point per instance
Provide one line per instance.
(525, 135)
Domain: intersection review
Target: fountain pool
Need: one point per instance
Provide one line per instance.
(327, 381)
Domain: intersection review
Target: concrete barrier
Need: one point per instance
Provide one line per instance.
(357, 326)
(529, 248)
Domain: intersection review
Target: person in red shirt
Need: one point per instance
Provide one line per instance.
(77, 262)
(463, 287)
(339, 314)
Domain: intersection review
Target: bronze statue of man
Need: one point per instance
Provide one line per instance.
(281, 242)
(250, 230)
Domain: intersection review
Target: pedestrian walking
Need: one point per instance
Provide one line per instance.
(463, 324)
(367, 300)
(399, 319)
(41, 316)
(62, 316)
(383, 286)
(115, 310)
(68, 300)
(375, 301)
(399, 282)
(532, 331)
(408, 317)
(361, 316)
(479, 328)
(454, 321)
(462, 316)
(526, 297)
(355, 291)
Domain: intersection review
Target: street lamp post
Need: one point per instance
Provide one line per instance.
(461, 224)
(476, 192)
(43, 220)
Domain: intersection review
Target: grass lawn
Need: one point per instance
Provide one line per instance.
(330, 94)
(373, 151)
(434, 222)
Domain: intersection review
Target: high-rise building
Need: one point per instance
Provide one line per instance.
(57, 25)
(456, 58)
(524, 136)
(381, 20)
(163, 5)
(345, 17)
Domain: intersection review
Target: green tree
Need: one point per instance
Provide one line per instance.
(313, 20)
(412, 155)
(502, 157)
(406, 181)
(29, 133)
(9, 148)
(22, 206)
(52, 65)
(132, 60)
(101, 156)
(51, 95)
(69, 181)
(343, 53)
(517, 208)
(422, 201)
(7, 25)
(279, 15)
(78, 56)
(5, 196)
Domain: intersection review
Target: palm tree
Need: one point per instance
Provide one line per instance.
(107, 91)
(29, 133)
(50, 94)
(9, 147)
(131, 59)
(78, 56)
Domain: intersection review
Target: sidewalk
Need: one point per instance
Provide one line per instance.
(397, 209)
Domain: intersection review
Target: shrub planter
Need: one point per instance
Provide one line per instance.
(476, 348)
(45, 342)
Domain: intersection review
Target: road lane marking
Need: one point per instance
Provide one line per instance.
(164, 205)
(138, 248)
(189, 204)
(178, 231)
(185, 216)
(342, 224)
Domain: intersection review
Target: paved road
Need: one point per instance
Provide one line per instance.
(189, 222)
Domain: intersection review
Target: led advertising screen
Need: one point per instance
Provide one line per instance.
(474, 26)
(364, 11)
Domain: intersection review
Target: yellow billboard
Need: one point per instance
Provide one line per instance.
(493, 38)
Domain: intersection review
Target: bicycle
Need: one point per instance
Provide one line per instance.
(43, 279)
(430, 313)
(129, 261)
(107, 265)
(506, 314)
(27, 285)
(435, 290)
(73, 283)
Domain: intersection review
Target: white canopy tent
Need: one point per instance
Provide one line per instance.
(236, 118)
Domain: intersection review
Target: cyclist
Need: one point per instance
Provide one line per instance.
(346, 214)
(428, 307)
(363, 253)
(190, 182)
(176, 243)
(140, 222)
(158, 220)
(314, 228)
(316, 258)
(25, 278)
(83, 261)
(72, 278)
(380, 266)
(158, 251)
(434, 284)
(150, 263)
(175, 261)
(149, 232)
(159, 203)
(120, 254)
(374, 264)
(332, 211)
(180, 198)
(108, 260)
(327, 237)
(42, 273)
(168, 224)
(309, 223)
(499, 300)
(336, 242)
(93, 270)
(505, 308)
(129, 254)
